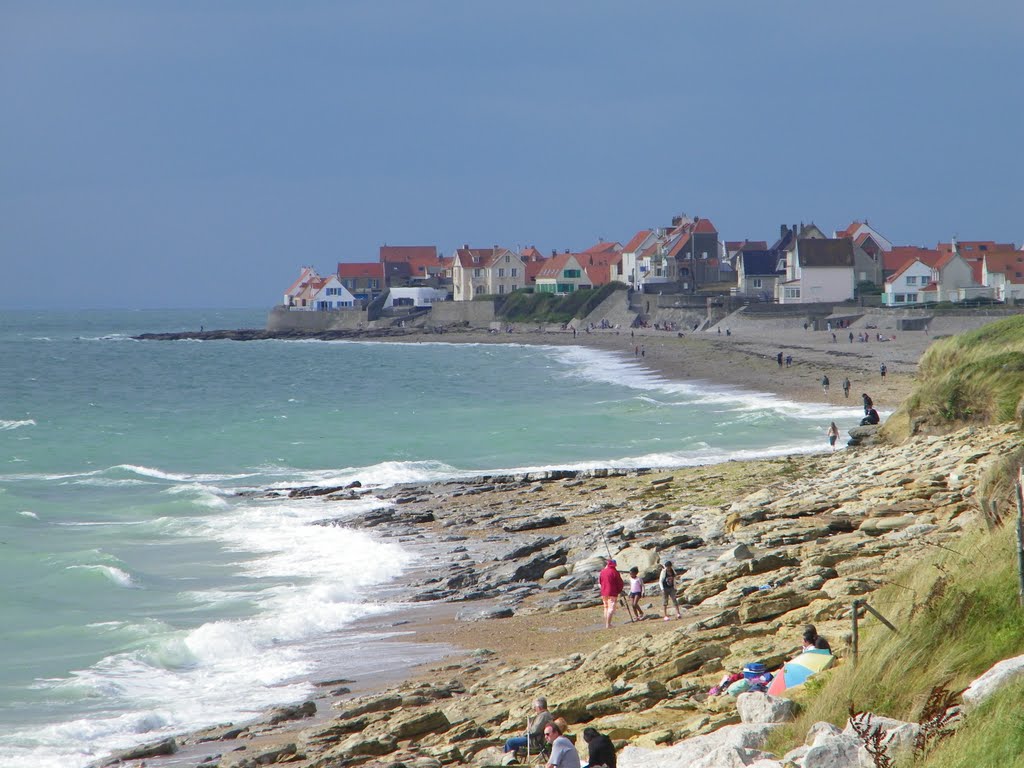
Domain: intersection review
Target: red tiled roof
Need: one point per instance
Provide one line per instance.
(901, 255)
(407, 253)
(533, 268)
(705, 227)
(369, 269)
(599, 274)
(530, 253)
(475, 258)
(974, 247)
(848, 232)
(637, 240)
(553, 267)
(1008, 263)
(305, 275)
(603, 248)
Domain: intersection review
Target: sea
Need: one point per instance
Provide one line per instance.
(143, 594)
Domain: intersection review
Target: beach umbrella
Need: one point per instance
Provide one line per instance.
(796, 671)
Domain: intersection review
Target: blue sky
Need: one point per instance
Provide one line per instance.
(195, 154)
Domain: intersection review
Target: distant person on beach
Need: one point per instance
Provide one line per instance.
(636, 591)
(667, 582)
(883, 370)
(533, 736)
(851, 337)
(563, 751)
(846, 387)
(778, 359)
(833, 435)
(870, 418)
(611, 588)
(814, 641)
(825, 383)
(867, 401)
(601, 751)
(643, 351)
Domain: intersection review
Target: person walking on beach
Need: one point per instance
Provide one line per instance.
(611, 588)
(883, 370)
(667, 582)
(833, 435)
(778, 359)
(636, 591)
(846, 387)
(825, 383)
(643, 351)
(533, 736)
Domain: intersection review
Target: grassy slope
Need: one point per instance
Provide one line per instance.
(957, 608)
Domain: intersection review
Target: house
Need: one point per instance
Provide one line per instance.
(1003, 273)
(364, 280)
(629, 268)
(412, 264)
(692, 252)
(818, 269)
(757, 273)
(900, 255)
(563, 274)
(486, 271)
(300, 294)
(913, 282)
(331, 294)
(863, 232)
(415, 296)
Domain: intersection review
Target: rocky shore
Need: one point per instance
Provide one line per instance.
(767, 546)
(510, 563)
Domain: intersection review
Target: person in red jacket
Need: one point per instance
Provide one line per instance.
(611, 588)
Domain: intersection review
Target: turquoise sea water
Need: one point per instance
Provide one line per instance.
(141, 596)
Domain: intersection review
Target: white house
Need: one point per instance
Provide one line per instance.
(911, 284)
(1003, 273)
(300, 293)
(415, 297)
(479, 271)
(818, 270)
(331, 294)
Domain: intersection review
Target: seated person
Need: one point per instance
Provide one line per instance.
(871, 417)
(602, 751)
(563, 751)
(533, 736)
(814, 641)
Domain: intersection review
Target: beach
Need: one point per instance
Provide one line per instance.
(840, 523)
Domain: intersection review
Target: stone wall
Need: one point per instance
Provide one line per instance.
(478, 314)
(282, 319)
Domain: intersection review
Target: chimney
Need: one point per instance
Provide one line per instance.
(465, 246)
(554, 252)
(782, 230)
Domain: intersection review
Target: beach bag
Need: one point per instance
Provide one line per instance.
(740, 686)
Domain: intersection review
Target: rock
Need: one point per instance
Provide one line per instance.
(558, 572)
(644, 559)
(762, 606)
(534, 523)
(479, 614)
(739, 552)
(899, 736)
(730, 757)
(1002, 674)
(298, 712)
(688, 751)
(821, 729)
(361, 744)
(761, 708)
(376, 704)
(166, 746)
(833, 752)
(432, 721)
(269, 756)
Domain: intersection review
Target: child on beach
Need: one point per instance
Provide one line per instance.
(636, 591)
(833, 435)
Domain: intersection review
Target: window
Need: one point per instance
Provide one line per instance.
(791, 293)
(478, 273)
(911, 280)
(501, 287)
(757, 282)
(514, 287)
(506, 258)
(501, 271)
(515, 272)
(911, 298)
(981, 248)
(900, 298)
(374, 284)
(567, 273)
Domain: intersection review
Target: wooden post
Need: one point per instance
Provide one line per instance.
(881, 618)
(856, 609)
(1020, 536)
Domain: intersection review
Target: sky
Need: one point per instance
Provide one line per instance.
(185, 154)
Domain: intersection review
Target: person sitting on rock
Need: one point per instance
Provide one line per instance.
(563, 751)
(872, 417)
(533, 736)
(600, 747)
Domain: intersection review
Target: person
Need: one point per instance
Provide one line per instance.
(667, 582)
(636, 591)
(825, 383)
(611, 588)
(563, 751)
(778, 358)
(533, 736)
(814, 641)
(871, 417)
(846, 387)
(882, 370)
(789, 360)
(868, 402)
(600, 750)
(833, 435)
(851, 337)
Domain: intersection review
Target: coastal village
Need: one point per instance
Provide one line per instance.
(803, 265)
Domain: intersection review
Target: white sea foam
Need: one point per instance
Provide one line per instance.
(27, 513)
(385, 473)
(6, 424)
(116, 575)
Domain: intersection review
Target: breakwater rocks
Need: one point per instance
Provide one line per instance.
(766, 547)
(257, 334)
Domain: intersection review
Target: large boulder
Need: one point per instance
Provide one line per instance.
(1002, 674)
(687, 752)
(759, 707)
(833, 752)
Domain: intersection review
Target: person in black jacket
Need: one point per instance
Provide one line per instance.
(602, 751)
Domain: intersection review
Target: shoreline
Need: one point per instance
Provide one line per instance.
(733, 361)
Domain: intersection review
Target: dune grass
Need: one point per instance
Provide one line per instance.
(957, 613)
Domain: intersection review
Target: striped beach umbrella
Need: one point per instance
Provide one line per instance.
(796, 671)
